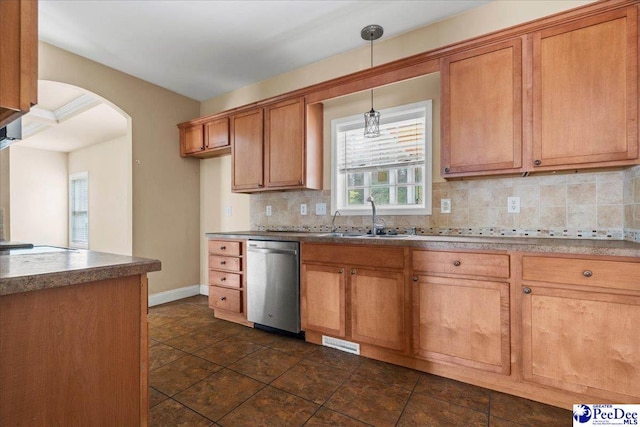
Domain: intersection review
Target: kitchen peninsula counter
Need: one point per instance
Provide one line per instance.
(600, 247)
(73, 337)
(27, 270)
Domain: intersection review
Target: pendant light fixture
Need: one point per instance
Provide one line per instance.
(371, 117)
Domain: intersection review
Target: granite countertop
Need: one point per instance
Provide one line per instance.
(43, 267)
(445, 242)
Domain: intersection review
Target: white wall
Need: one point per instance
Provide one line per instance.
(109, 167)
(38, 189)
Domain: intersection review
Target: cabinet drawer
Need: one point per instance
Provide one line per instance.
(374, 256)
(224, 263)
(221, 278)
(580, 271)
(468, 264)
(225, 247)
(225, 299)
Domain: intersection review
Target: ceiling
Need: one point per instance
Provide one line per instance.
(198, 48)
(68, 118)
(202, 49)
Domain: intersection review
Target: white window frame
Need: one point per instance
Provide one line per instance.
(338, 179)
(73, 243)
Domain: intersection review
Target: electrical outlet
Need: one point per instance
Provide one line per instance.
(445, 205)
(268, 210)
(227, 211)
(513, 204)
(321, 208)
(303, 209)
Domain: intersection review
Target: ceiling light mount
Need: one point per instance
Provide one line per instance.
(371, 32)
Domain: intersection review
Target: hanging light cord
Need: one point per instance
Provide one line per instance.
(371, 44)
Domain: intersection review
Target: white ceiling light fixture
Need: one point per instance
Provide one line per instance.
(371, 117)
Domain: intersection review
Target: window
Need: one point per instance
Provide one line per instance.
(394, 168)
(79, 210)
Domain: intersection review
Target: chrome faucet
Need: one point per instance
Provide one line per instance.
(333, 221)
(373, 216)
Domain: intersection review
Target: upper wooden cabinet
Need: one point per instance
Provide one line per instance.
(247, 150)
(579, 109)
(482, 110)
(585, 92)
(283, 152)
(207, 139)
(18, 58)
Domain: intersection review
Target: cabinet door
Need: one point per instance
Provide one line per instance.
(322, 299)
(18, 59)
(216, 133)
(581, 341)
(284, 143)
(192, 139)
(247, 150)
(585, 99)
(482, 110)
(377, 308)
(462, 322)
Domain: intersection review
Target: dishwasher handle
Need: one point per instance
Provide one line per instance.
(274, 251)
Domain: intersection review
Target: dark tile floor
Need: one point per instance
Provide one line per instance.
(208, 372)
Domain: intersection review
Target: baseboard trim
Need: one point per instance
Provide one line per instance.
(176, 294)
(204, 289)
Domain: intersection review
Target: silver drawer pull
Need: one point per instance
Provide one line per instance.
(223, 299)
(587, 273)
(414, 278)
(222, 279)
(222, 248)
(223, 262)
(341, 271)
(526, 290)
(456, 263)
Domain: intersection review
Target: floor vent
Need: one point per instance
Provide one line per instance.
(348, 346)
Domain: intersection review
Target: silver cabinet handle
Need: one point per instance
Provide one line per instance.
(587, 273)
(341, 271)
(526, 290)
(353, 271)
(414, 278)
(456, 263)
(222, 279)
(223, 299)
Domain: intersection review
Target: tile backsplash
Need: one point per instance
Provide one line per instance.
(596, 205)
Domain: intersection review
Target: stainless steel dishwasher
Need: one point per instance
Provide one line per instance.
(273, 284)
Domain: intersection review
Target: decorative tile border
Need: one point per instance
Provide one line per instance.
(632, 235)
(613, 234)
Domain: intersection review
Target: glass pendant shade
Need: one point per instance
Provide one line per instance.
(372, 124)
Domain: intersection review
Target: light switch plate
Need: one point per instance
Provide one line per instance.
(445, 205)
(268, 210)
(513, 204)
(321, 208)
(303, 209)
(227, 211)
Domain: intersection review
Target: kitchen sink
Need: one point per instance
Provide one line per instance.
(387, 236)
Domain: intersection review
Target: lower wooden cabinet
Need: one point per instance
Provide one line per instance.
(461, 309)
(462, 322)
(377, 307)
(227, 294)
(578, 338)
(322, 301)
(355, 292)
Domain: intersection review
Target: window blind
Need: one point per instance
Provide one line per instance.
(400, 143)
(79, 210)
